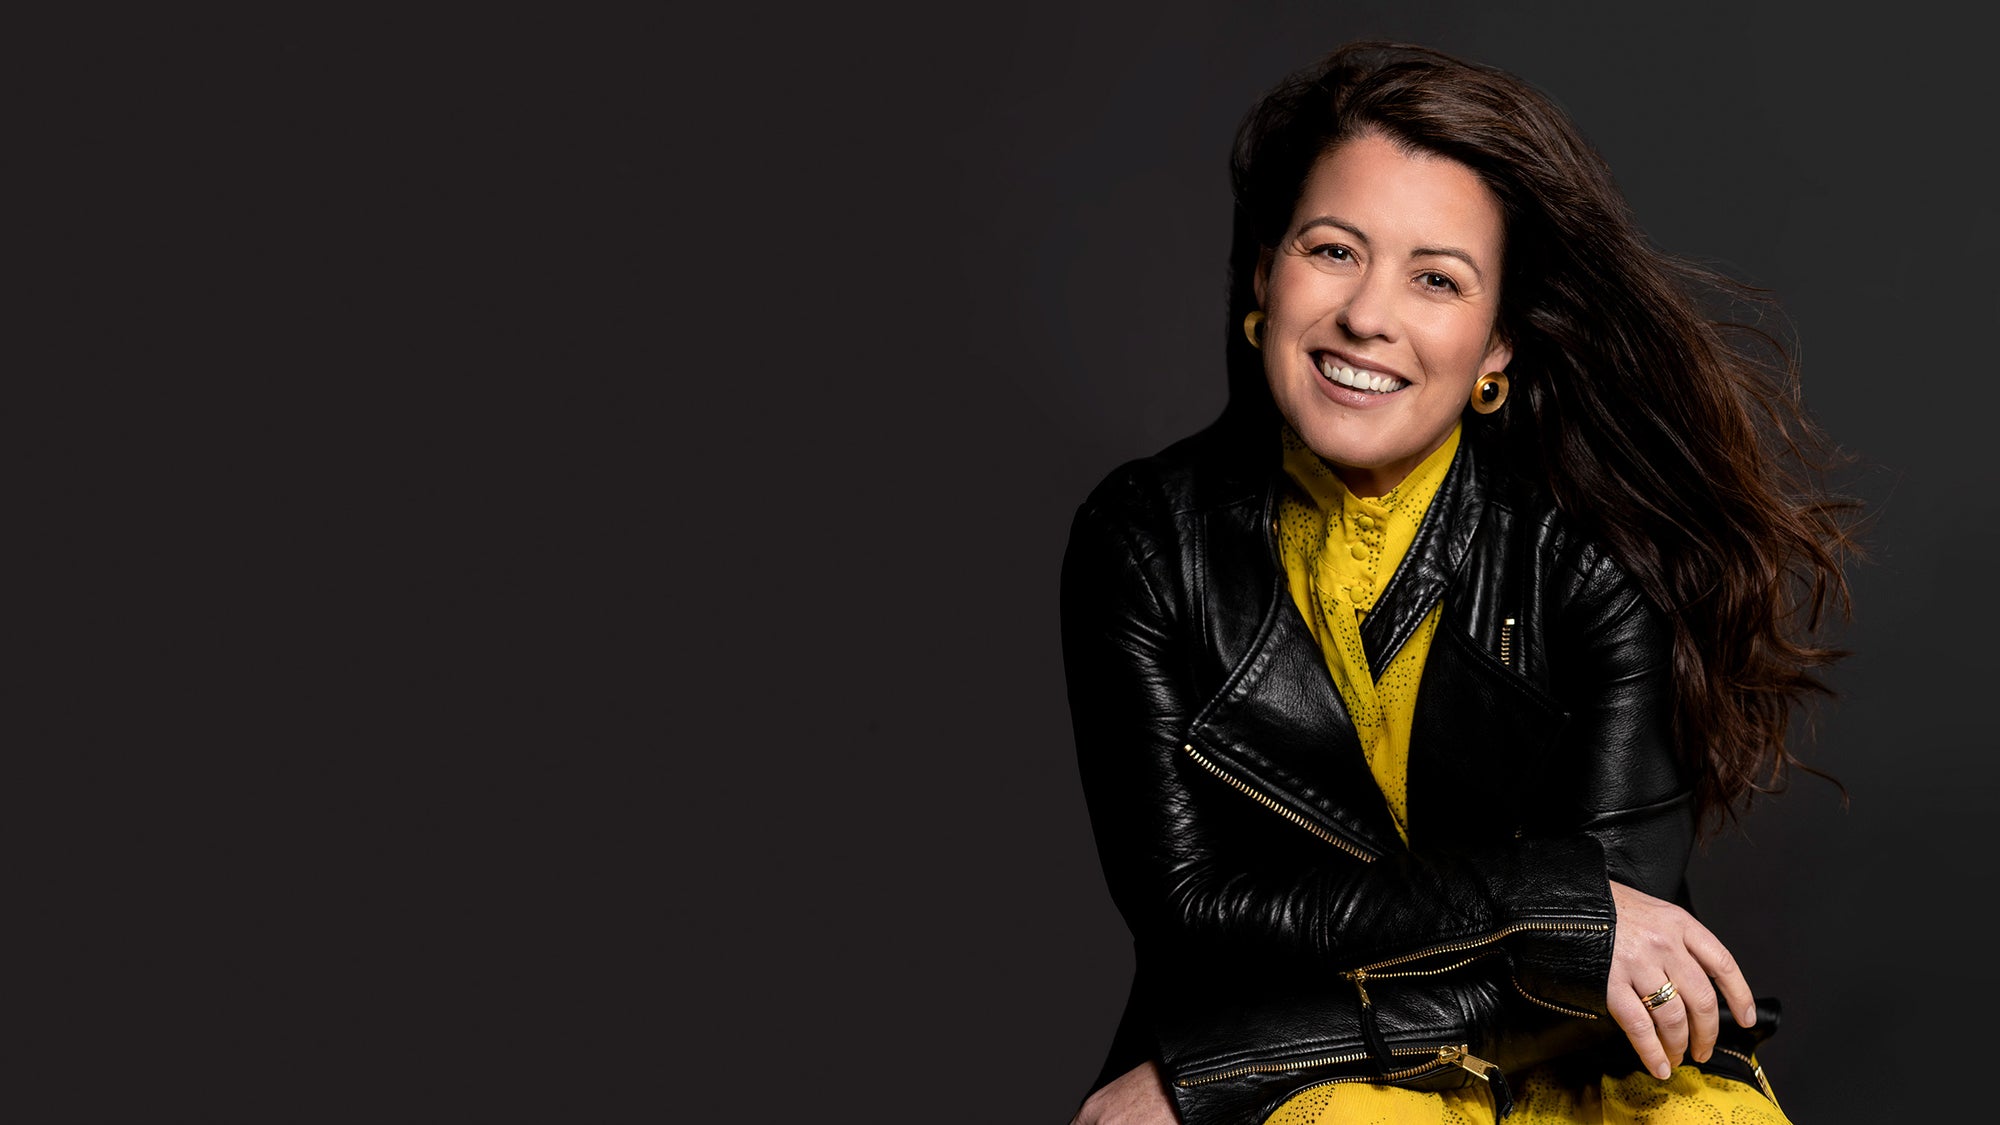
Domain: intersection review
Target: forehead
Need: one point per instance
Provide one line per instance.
(1398, 195)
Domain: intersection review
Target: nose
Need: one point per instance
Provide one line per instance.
(1369, 310)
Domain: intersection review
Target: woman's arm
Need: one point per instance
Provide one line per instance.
(1616, 767)
(1611, 660)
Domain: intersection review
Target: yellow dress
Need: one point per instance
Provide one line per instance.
(1339, 550)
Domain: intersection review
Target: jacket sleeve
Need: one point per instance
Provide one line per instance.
(1192, 886)
(1611, 663)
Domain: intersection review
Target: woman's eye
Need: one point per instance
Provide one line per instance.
(1335, 251)
(1437, 281)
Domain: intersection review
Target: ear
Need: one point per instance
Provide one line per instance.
(1261, 280)
(1498, 353)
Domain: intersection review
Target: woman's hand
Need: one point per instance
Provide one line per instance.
(1136, 1097)
(1657, 942)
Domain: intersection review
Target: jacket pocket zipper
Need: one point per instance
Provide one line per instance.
(1439, 1058)
(1549, 1004)
(1363, 974)
(1258, 796)
(1507, 642)
(1463, 945)
(1276, 1068)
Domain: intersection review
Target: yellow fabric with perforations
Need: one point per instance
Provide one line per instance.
(1542, 1096)
(1339, 551)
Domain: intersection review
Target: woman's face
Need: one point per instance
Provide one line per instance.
(1380, 302)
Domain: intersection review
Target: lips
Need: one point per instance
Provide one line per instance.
(1359, 378)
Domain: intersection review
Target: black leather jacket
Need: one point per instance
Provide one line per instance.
(1283, 933)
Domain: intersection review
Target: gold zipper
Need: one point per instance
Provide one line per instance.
(1756, 1069)
(1460, 1056)
(1507, 642)
(1274, 806)
(1360, 976)
(1366, 972)
(1550, 1004)
(1275, 1068)
(1471, 943)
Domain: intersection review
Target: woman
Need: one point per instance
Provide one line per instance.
(1480, 442)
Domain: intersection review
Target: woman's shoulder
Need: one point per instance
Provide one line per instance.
(1521, 499)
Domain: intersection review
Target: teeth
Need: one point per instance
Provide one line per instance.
(1361, 380)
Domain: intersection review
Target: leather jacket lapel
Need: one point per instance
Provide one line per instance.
(1277, 724)
(1434, 556)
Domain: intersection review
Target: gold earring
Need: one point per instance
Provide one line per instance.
(1253, 321)
(1490, 392)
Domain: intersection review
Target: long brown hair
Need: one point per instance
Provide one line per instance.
(1678, 438)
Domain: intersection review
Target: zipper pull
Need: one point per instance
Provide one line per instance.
(1462, 1056)
(1758, 1070)
(1371, 1033)
(1507, 642)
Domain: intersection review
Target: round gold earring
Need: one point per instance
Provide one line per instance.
(1253, 322)
(1490, 392)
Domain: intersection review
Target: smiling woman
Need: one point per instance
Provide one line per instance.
(1403, 691)
(1378, 313)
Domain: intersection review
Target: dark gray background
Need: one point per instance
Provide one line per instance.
(540, 535)
(994, 251)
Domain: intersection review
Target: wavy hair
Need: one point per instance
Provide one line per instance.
(1677, 438)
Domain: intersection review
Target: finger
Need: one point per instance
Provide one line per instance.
(1637, 1024)
(1672, 1020)
(1727, 976)
(1704, 1014)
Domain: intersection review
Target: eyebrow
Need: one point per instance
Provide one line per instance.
(1419, 252)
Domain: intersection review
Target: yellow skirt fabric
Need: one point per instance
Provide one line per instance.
(1542, 1097)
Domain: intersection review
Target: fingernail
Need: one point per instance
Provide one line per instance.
(1664, 1073)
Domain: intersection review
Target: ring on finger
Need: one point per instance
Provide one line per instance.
(1660, 996)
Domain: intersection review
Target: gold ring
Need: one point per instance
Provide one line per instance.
(1665, 994)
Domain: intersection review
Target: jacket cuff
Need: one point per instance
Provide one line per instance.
(1562, 946)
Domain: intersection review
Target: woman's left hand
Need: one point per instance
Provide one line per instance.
(1657, 943)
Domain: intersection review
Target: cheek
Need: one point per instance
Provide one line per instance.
(1458, 348)
(1277, 376)
(1296, 294)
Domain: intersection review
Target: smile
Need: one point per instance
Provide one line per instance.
(1373, 382)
